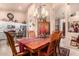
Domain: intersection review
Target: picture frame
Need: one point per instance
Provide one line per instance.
(43, 28)
(73, 26)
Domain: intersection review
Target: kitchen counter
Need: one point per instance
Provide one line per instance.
(2, 36)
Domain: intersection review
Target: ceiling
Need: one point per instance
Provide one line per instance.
(22, 7)
(74, 6)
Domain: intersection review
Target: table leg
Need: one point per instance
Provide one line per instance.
(38, 52)
(21, 47)
(30, 54)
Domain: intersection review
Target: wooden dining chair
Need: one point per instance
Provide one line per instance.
(57, 37)
(31, 34)
(51, 48)
(12, 45)
(58, 42)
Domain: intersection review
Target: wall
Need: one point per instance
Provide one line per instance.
(19, 16)
(31, 19)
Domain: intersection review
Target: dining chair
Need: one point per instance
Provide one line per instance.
(31, 34)
(58, 42)
(50, 49)
(58, 36)
(12, 45)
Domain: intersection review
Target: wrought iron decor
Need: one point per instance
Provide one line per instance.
(10, 16)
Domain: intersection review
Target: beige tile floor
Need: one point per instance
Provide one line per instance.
(74, 51)
(4, 48)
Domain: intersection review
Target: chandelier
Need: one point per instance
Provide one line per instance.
(40, 13)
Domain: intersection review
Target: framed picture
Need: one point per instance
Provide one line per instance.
(43, 29)
(73, 26)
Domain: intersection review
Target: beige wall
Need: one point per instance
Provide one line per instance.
(19, 16)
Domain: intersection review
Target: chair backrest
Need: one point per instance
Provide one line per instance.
(78, 39)
(31, 34)
(54, 41)
(11, 42)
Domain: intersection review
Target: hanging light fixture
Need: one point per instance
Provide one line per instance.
(41, 13)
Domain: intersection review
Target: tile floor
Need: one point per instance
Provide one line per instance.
(4, 48)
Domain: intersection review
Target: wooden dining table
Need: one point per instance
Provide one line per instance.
(34, 44)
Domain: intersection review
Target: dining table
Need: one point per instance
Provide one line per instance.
(34, 44)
